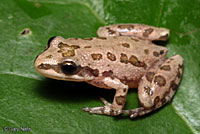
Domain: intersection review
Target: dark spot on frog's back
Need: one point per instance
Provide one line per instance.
(146, 51)
(127, 45)
(147, 32)
(88, 47)
(124, 58)
(111, 56)
(68, 53)
(96, 56)
(134, 61)
(62, 45)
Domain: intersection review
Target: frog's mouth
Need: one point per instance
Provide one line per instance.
(55, 72)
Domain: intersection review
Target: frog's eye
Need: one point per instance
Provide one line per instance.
(69, 67)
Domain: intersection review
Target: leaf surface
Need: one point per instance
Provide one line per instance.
(29, 100)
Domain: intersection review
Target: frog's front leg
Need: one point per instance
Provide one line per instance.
(134, 30)
(158, 87)
(119, 99)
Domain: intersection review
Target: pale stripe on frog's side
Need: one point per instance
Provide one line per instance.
(122, 57)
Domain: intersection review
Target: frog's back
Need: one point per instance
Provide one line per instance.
(115, 49)
(123, 57)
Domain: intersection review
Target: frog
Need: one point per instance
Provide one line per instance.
(121, 57)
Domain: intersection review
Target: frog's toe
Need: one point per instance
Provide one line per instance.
(105, 102)
(137, 112)
(94, 110)
(106, 110)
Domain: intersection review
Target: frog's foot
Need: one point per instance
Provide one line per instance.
(134, 30)
(107, 109)
(119, 100)
(158, 86)
(136, 112)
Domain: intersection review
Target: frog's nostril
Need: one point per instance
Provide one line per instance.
(49, 41)
(164, 37)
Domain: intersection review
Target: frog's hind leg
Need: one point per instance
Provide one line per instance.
(116, 107)
(135, 30)
(157, 88)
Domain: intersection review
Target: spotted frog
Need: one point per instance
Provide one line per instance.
(123, 56)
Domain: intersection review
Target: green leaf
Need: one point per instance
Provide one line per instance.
(47, 106)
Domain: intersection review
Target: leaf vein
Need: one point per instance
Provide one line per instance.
(185, 120)
(160, 13)
(30, 76)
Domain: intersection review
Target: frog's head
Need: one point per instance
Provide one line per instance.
(58, 62)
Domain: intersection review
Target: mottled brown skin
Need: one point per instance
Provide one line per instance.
(111, 56)
(136, 60)
(140, 31)
(117, 60)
